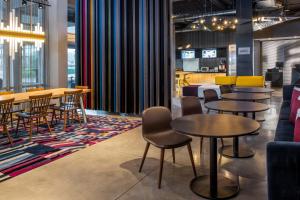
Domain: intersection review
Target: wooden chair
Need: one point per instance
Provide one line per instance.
(13, 110)
(5, 113)
(38, 109)
(158, 132)
(68, 108)
(35, 89)
(192, 106)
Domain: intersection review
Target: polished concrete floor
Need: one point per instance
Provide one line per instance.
(109, 170)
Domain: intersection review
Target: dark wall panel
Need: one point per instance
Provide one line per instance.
(130, 63)
(205, 39)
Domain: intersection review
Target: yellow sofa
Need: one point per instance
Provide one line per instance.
(225, 80)
(241, 81)
(250, 81)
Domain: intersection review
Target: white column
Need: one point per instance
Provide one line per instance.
(57, 54)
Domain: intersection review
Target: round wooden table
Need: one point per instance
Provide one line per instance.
(237, 107)
(215, 126)
(245, 96)
(253, 90)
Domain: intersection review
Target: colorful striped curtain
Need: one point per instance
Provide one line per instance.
(123, 53)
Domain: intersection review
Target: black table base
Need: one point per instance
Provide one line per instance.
(244, 152)
(226, 187)
(236, 150)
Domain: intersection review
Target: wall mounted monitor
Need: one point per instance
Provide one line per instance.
(209, 53)
(188, 54)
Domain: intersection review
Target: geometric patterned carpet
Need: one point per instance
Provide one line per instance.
(45, 148)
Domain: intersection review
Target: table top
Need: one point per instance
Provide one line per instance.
(215, 126)
(253, 90)
(24, 96)
(246, 96)
(237, 106)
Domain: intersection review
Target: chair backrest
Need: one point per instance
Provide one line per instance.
(34, 89)
(210, 95)
(39, 104)
(6, 93)
(81, 87)
(5, 110)
(72, 99)
(191, 106)
(156, 119)
(225, 89)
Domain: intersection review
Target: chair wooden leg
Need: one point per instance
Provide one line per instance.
(192, 158)
(78, 117)
(162, 156)
(18, 124)
(5, 129)
(11, 120)
(65, 121)
(201, 145)
(173, 154)
(24, 124)
(49, 127)
(37, 124)
(53, 115)
(30, 130)
(144, 156)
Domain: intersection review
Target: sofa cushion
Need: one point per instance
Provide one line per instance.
(225, 80)
(250, 81)
(295, 104)
(284, 131)
(297, 128)
(285, 110)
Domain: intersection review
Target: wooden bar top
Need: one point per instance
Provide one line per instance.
(24, 96)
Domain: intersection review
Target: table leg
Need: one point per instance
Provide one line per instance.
(236, 150)
(83, 110)
(213, 168)
(214, 185)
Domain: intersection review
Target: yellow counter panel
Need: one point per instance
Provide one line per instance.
(202, 78)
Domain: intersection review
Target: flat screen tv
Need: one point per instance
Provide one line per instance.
(209, 53)
(187, 54)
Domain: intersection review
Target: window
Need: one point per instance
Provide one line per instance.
(21, 58)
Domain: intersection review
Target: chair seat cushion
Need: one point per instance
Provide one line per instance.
(285, 111)
(167, 139)
(284, 131)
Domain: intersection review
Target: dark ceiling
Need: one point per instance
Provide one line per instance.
(183, 9)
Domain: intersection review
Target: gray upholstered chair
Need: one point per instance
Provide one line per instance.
(158, 132)
(225, 89)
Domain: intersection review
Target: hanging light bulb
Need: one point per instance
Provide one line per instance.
(202, 21)
(225, 22)
(236, 21)
(188, 46)
(233, 27)
(214, 19)
(205, 28)
(214, 24)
